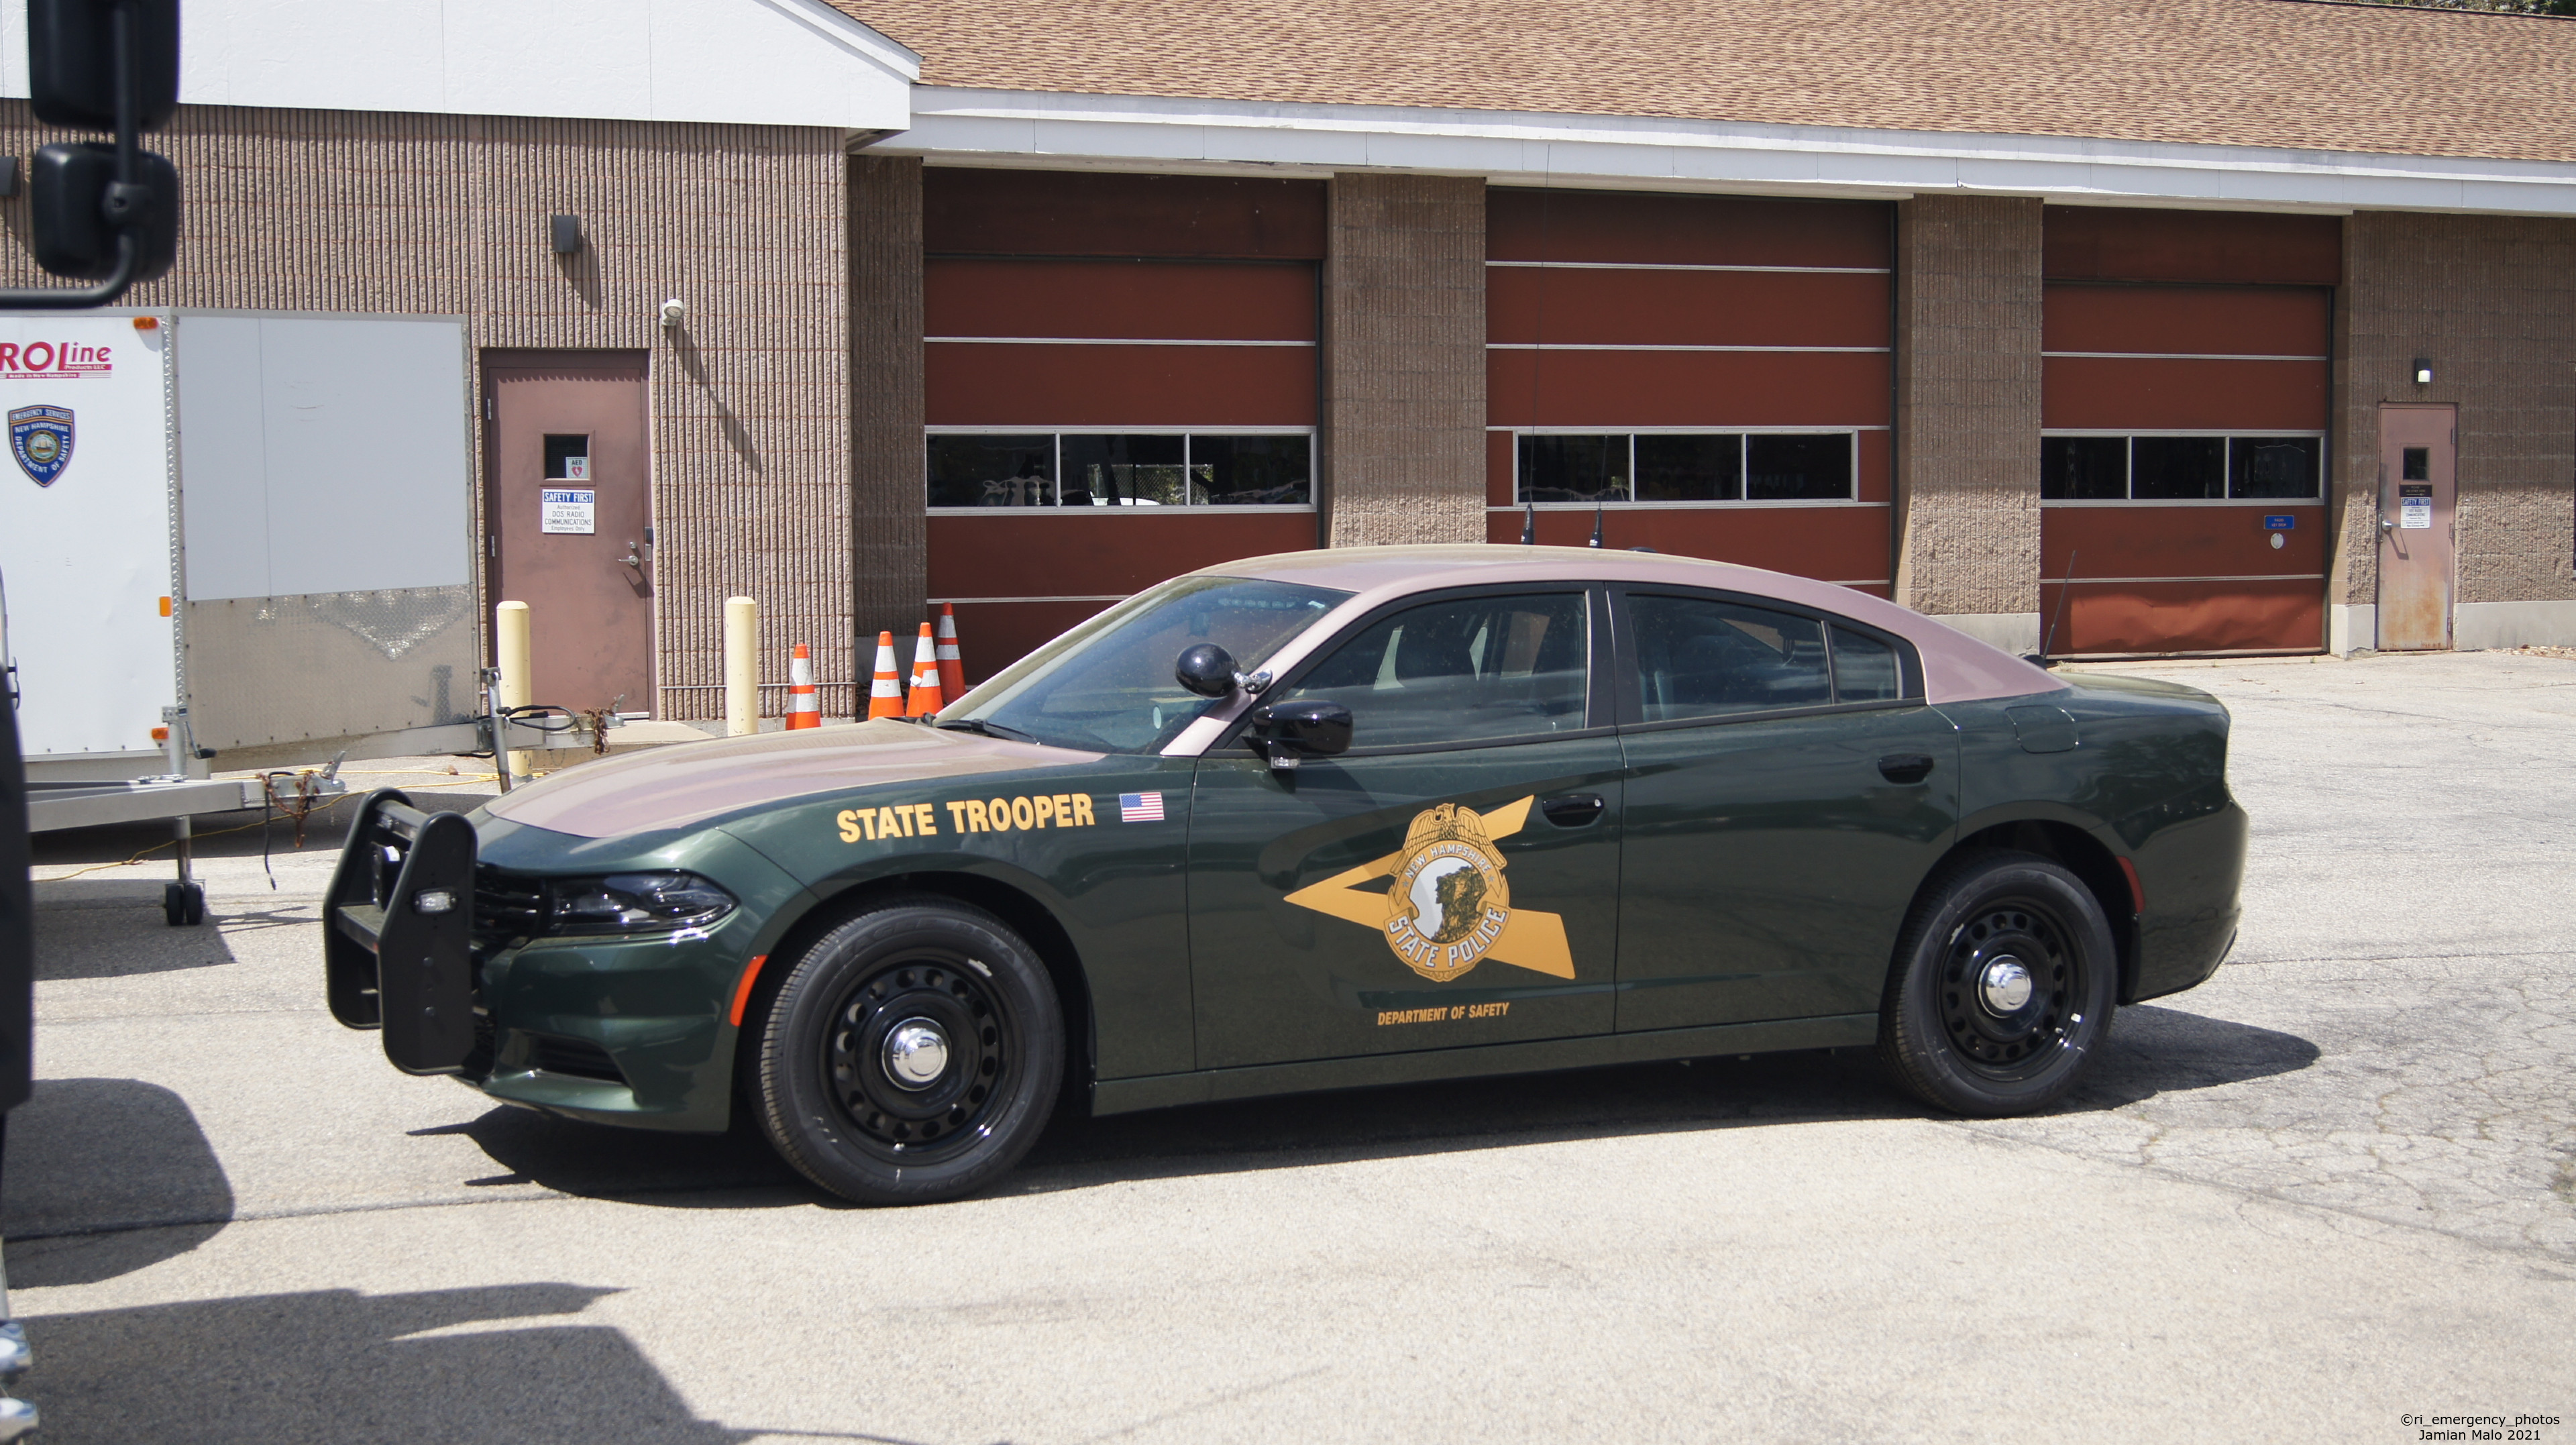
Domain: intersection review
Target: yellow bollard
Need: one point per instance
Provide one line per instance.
(742, 666)
(510, 652)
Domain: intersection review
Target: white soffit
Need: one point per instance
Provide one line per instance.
(1516, 148)
(747, 62)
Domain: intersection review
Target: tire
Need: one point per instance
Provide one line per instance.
(183, 905)
(1961, 1045)
(826, 1087)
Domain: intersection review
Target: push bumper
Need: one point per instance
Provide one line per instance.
(398, 945)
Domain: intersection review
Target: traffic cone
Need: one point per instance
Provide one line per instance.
(952, 664)
(802, 710)
(925, 698)
(885, 695)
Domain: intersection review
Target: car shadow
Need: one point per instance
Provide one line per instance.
(595, 1161)
(105, 1177)
(338, 1367)
(2152, 1051)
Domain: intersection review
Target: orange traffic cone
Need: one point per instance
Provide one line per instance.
(885, 694)
(925, 677)
(952, 664)
(802, 711)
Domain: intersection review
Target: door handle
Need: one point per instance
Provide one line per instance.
(1574, 810)
(633, 559)
(1905, 768)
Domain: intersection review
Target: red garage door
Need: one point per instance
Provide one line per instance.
(1706, 375)
(1121, 383)
(2183, 450)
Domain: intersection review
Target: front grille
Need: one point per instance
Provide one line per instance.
(578, 1057)
(506, 906)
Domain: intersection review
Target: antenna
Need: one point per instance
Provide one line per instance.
(1529, 524)
(1596, 523)
(2063, 584)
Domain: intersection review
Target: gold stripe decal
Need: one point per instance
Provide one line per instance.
(1449, 907)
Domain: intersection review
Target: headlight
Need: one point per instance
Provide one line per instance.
(633, 903)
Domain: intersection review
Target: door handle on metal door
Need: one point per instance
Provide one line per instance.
(1574, 810)
(633, 559)
(1905, 768)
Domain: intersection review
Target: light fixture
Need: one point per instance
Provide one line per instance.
(2423, 371)
(567, 235)
(673, 310)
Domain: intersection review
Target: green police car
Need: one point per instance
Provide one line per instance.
(1313, 821)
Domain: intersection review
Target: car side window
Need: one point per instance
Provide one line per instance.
(1470, 669)
(1865, 668)
(1700, 657)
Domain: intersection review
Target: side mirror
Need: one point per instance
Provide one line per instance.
(1287, 730)
(1206, 669)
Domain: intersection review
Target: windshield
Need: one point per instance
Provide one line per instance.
(1107, 686)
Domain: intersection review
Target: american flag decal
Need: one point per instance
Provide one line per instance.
(1140, 807)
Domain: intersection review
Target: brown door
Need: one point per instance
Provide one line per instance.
(2417, 446)
(569, 507)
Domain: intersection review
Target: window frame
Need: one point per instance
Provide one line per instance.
(1851, 435)
(2226, 465)
(1596, 645)
(1056, 471)
(1629, 703)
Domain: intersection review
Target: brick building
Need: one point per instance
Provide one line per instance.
(2207, 326)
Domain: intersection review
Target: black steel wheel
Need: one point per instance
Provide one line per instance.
(2003, 987)
(912, 1054)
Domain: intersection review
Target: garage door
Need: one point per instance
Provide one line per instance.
(1705, 375)
(2183, 452)
(1120, 386)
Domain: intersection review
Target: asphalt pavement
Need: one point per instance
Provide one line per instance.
(2332, 1188)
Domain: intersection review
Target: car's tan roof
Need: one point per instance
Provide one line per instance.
(1956, 667)
(2229, 72)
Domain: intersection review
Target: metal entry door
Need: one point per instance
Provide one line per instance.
(569, 508)
(2418, 446)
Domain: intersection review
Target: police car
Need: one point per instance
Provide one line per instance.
(1313, 821)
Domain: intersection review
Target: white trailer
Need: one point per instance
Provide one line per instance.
(252, 531)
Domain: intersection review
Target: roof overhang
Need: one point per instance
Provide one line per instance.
(1053, 129)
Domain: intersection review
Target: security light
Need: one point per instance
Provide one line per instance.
(2423, 371)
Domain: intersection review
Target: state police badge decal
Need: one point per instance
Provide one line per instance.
(1447, 906)
(41, 437)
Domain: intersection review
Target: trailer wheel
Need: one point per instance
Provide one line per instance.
(183, 904)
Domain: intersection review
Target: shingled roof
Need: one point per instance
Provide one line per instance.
(2291, 73)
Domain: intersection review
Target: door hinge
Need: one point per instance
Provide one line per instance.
(492, 545)
(490, 411)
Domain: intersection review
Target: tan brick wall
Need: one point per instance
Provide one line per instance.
(1404, 360)
(2491, 302)
(334, 211)
(1967, 404)
(890, 568)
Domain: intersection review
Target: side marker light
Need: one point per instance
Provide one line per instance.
(2137, 893)
(742, 990)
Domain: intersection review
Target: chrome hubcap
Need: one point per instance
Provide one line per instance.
(916, 1053)
(2004, 987)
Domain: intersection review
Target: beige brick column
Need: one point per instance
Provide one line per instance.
(889, 566)
(2491, 303)
(1404, 360)
(1967, 414)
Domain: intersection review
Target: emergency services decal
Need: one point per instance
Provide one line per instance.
(41, 437)
(1448, 907)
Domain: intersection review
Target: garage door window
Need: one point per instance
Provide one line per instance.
(972, 470)
(2176, 468)
(1665, 468)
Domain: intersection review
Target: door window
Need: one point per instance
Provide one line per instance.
(1470, 669)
